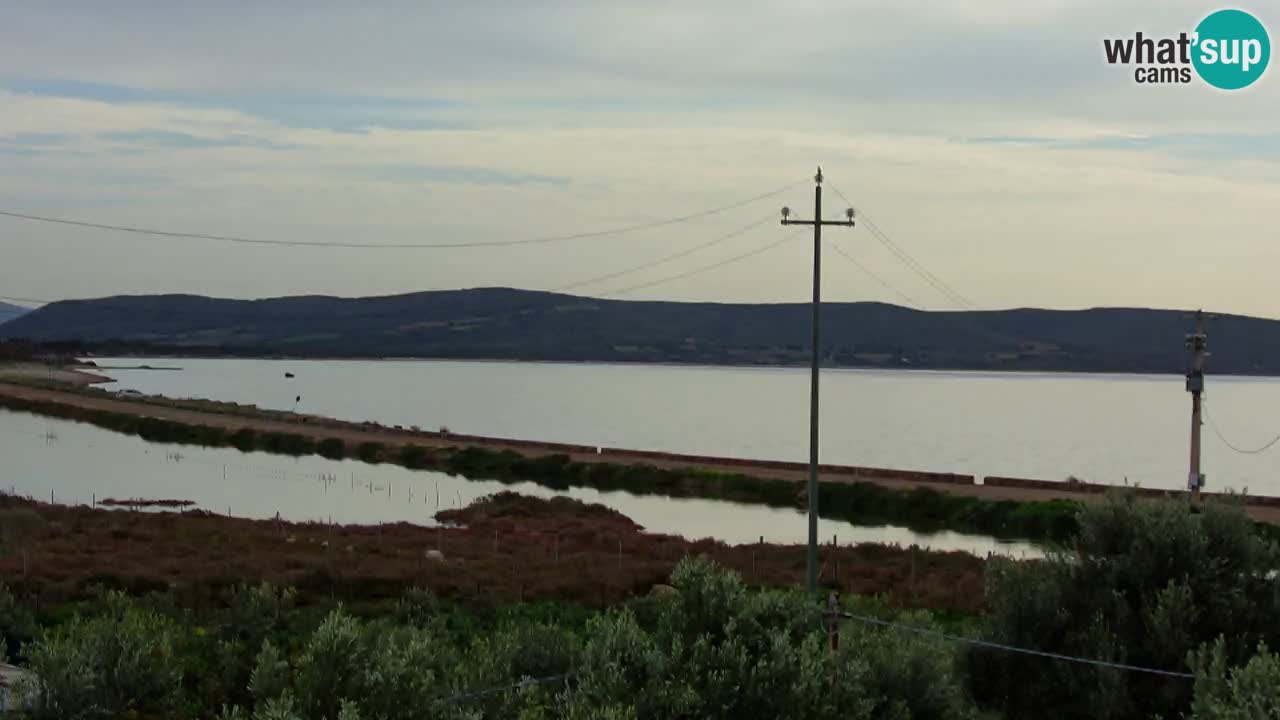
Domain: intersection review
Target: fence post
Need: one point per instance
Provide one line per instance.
(833, 620)
(913, 571)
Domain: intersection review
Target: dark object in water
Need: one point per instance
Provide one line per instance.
(288, 374)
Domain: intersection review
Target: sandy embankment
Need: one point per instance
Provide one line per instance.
(318, 428)
(38, 371)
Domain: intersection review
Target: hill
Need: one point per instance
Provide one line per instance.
(10, 312)
(529, 325)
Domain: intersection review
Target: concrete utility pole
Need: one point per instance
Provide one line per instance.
(811, 565)
(1196, 343)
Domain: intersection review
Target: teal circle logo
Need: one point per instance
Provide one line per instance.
(1231, 49)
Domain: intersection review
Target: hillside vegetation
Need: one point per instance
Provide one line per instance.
(10, 312)
(527, 325)
(1152, 611)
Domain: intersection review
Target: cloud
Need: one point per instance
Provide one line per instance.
(990, 139)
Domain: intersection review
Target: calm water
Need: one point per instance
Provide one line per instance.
(1103, 428)
(75, 462)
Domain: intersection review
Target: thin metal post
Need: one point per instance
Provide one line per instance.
(1196, 343)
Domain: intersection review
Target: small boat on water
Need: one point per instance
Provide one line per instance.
(288, 374)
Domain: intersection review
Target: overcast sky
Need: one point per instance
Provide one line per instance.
(988, 139)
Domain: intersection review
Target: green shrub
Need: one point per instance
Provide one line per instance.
(17, 624)
(417, 607)
(717, 650)
(286, 443)
(1144, 583)
(244, 439)
(121, 661)
(349, 669)
(416, 457)
(370, 452)
(332, 448)
(1247, 692)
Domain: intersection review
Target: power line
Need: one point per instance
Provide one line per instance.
(589, 281)
(1243, 451)
(1013, 648)
(938, 284)
(702, 269)
(915, 265)
(391, 246)
(668, 258)
(653, 263)
(867, 271)
(628, 271)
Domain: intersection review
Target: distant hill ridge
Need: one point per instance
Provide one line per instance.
(531, 325)
(9, 312)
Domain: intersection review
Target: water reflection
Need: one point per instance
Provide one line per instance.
(75, 463)
(1102, 428)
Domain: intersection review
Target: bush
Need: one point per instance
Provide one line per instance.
(417, 607)
(905, 675)
(332, 448)
(122, 661)
(1144, 583)
(715, 650)
(370, 452)
(286, 443)
(16, 623)
(1235, 693)
(416, 457)
(349, 669)
(244, 439)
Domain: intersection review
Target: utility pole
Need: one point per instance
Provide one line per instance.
(811, 564)
(1196, 343)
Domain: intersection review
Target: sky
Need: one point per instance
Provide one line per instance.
(988, 140)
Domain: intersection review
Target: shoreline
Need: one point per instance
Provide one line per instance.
(229, 417)
(76, 377)
(1028, 372)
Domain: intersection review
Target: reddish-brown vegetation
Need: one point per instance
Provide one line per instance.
(511, 549)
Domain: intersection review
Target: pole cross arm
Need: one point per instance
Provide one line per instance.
(841, 223)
